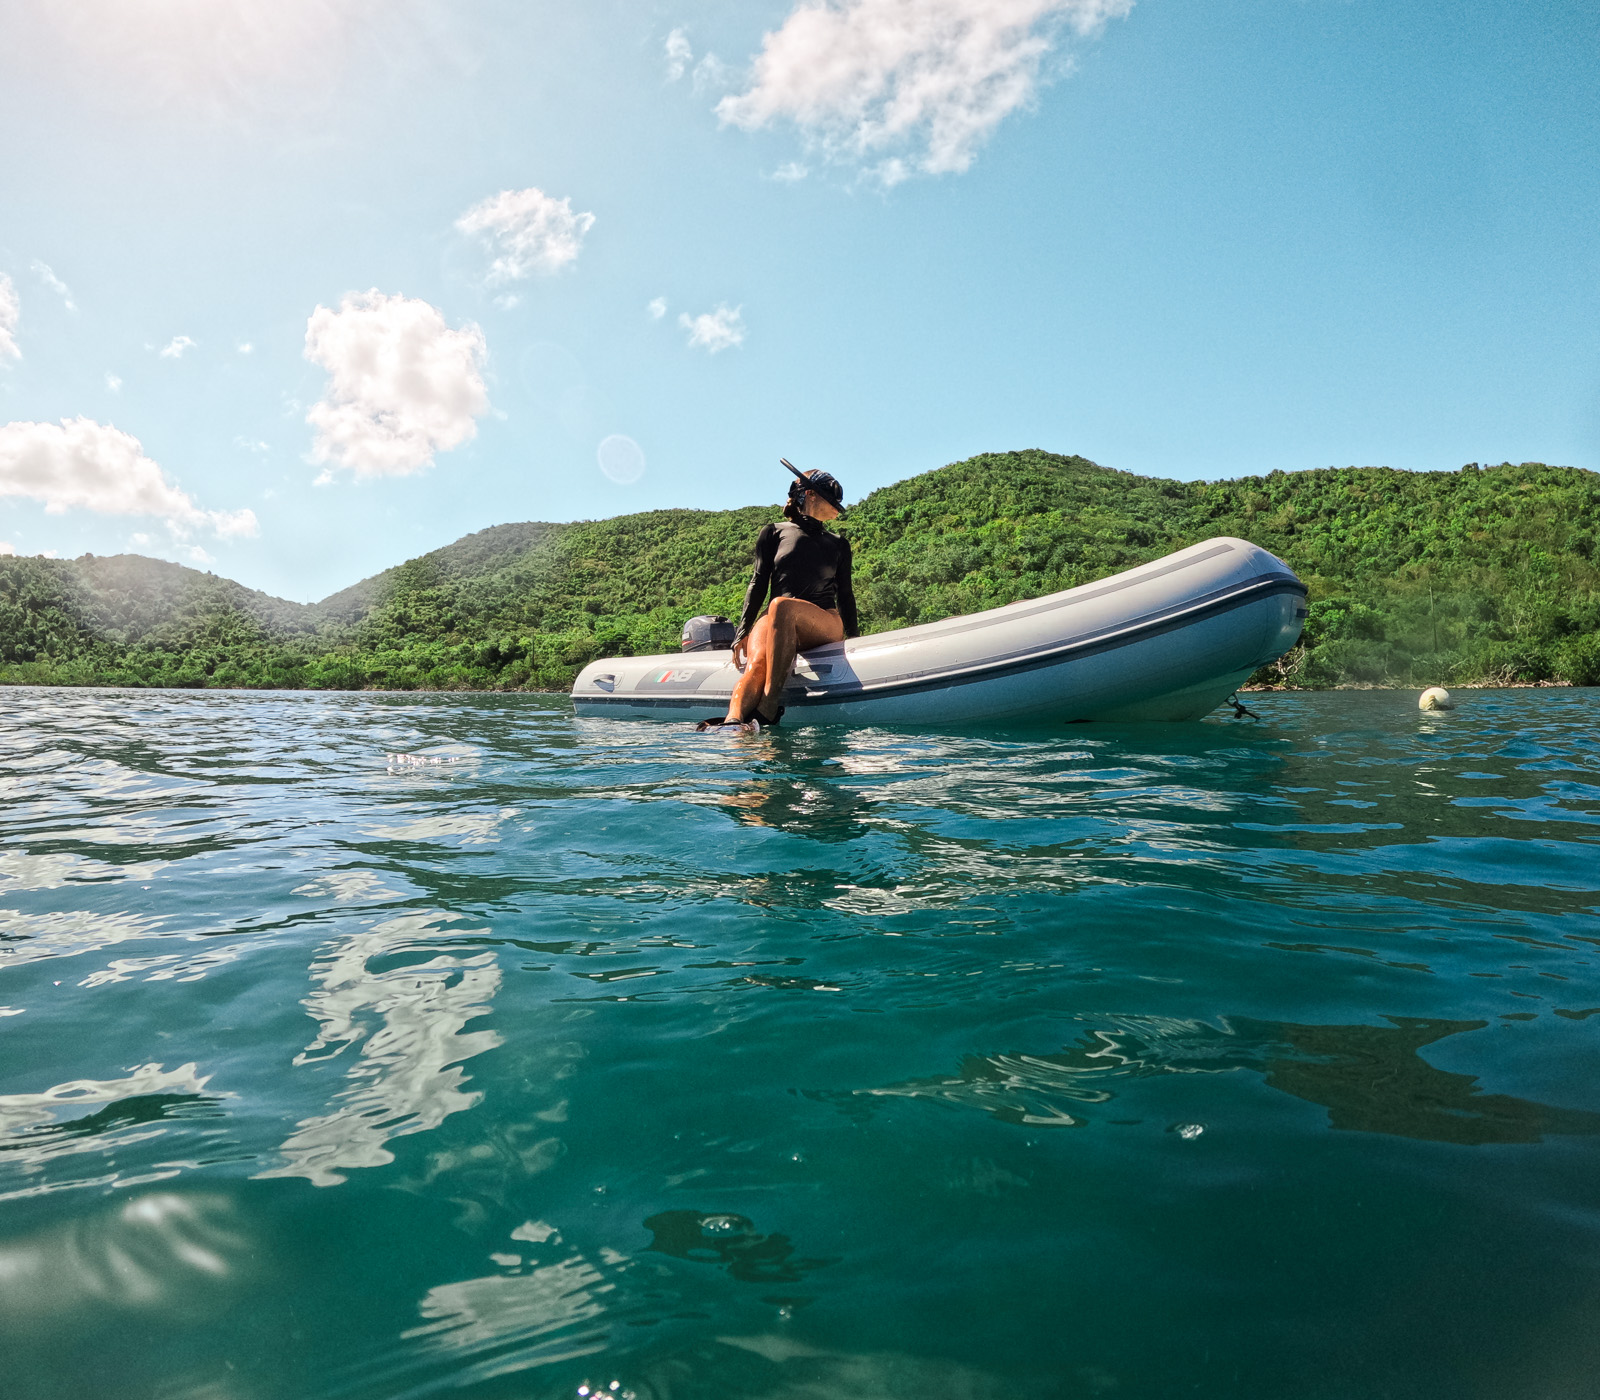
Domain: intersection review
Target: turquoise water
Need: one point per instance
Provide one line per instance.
(386, 1046)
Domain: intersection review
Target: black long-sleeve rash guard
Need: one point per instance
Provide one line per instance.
(801, 561)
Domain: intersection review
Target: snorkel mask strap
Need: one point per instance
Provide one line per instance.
(798, 487)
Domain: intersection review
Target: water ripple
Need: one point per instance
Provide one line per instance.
(480, 1049)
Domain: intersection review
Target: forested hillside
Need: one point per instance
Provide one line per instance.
(1482, 574)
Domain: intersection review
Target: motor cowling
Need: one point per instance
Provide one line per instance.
(708, 634)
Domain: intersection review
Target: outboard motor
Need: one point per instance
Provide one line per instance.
(708, 634)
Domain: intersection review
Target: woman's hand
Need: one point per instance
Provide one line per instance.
(741, 652)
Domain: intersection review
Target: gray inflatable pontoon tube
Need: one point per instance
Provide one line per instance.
(1169, 640)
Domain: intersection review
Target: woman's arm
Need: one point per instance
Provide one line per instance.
(846, 591)
(760, 581)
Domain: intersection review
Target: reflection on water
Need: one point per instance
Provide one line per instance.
(522, 1319)
(732, 1241)
(809, 802)
(407, 1016)
(1370, 1078)
(50, 870)
(348, 887)
(467, 828)
(38, 1129)
(29, 937)
(703, 1071)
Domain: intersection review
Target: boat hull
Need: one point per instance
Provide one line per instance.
(1169, 640)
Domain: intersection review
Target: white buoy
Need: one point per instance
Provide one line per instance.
(1435, 697)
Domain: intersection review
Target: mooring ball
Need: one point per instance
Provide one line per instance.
(1435, 697)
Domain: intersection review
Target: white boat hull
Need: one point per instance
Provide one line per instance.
(1169, 640)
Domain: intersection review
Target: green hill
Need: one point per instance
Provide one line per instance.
(1485, 574)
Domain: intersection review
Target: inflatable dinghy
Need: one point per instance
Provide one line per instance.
(1169, 640)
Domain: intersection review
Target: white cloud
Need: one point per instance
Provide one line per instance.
(174, 348)
(892, 172)
(716, 330)
(907, 84)
(790, 172)
(79, 464)
(529, 230)
(657, 308)
(710, 72)
(114, 382)
(6, 549)
(44, 272)
(198, 556)
(244, 347)
(140, 539)
(250, 444)
(401, 384)
(10, 314)
(679, 55)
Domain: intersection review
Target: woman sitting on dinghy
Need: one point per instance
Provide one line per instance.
(808, 572)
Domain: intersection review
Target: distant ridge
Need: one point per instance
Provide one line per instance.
(1483, 574)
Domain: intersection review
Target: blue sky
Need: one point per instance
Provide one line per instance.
(1192, 240)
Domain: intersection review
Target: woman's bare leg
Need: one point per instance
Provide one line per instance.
(753, 683)
(794, 626)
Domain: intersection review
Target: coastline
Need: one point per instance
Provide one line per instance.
(562, 690)
(1454, 685)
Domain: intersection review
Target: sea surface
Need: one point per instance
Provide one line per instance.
(436, 1045)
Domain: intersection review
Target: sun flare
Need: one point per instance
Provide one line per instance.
(210, 51)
